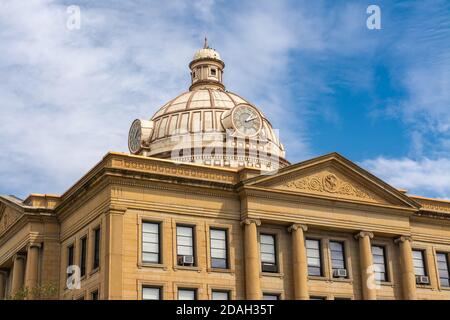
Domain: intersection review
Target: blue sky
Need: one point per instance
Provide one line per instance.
(328, 83)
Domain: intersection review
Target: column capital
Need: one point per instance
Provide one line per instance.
(296, 226)
(250, 221)
(34, 245)
(402, 239)
(19, 256)
(363, 234)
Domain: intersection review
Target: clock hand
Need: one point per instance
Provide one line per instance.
(250, 119)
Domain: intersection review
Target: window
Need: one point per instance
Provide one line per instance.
(268, 253)
(83, 252)
(419, 263)
(151, 293)
(94, 295)
(150, 242)
(271, 296)
(379, 261)
(342, 298)
(220, 295)
(314, 257)
(337, 259)
(443, 269)
(187, 294)
(70, 255)
(213, 72)
(96, 260)
(185, 246)
(219, 254)
(317, 298)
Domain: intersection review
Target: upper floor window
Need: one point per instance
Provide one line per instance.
(379, 261)
(419, 263)
(151, 293)
(268, 253)
(96, 257)
(314, 257)
(213, 72)
(187, 294)
(185, 246)
(83, 256)
(150, 242)
(70, 255)
(338, 259)
(219, 254)
(443, 269)
(220, 295)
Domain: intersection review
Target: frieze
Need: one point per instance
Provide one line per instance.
(177, 170)
(434, 207)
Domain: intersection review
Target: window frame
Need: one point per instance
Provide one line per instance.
(423, 254)
(271, 294)
(344, 257)
(276, 251)
(385, 261)
(194, 243)
(228, 293)
(96, 254)
(160, 292)
(83, 255)
(227, 248)
(321, 260)
(447, 260)
(195, 290)
(160, 237)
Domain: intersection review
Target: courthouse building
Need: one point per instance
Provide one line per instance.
(206, 206)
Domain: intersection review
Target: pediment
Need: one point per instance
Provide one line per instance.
(333, 176)
(8, 216)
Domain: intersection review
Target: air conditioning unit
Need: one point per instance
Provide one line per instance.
(339, 273)
(269, 267)
(422, 280)
(186, 260)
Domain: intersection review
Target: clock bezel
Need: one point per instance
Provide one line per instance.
(137, 123)
(235, 108)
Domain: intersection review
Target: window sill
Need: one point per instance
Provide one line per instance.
(318, 278)
(152, 265)
(219, 270)
(386, 284)
(345, 280)
(273, 274)
(444, 288)
(198, 269)
(425, 286)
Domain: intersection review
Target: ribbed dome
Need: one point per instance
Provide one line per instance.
(208, 118)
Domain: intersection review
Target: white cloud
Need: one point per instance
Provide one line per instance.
(422, 177)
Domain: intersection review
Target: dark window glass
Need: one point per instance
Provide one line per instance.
(314, 257)
(317, 298)
(151, 293)
(443, 269)
(70, 256)
(337, 255)
(185, 246)
(94, 295)
(268, 253)
(96, 260)
(213, 72)
(218, 243)
(150, 242)
(379, 261)
(419, 263)
(83, 252)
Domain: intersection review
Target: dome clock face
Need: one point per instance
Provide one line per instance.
(135, 137)
(246, 120)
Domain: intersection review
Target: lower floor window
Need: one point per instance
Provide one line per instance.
(220, 295)
(151, 293)
(271, 296)
(187, 294)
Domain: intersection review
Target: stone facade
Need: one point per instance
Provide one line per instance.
(327, 198)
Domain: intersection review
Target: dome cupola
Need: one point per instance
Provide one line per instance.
(206, 69)
(209, 125)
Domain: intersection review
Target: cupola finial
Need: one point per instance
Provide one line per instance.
(205, 45)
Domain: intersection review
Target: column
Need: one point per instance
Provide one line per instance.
(251, 260)
(407, 268)
(299, 261)
(366, 262)
(114, 228)
(3, 278)
(32, 267)
(17, 273)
